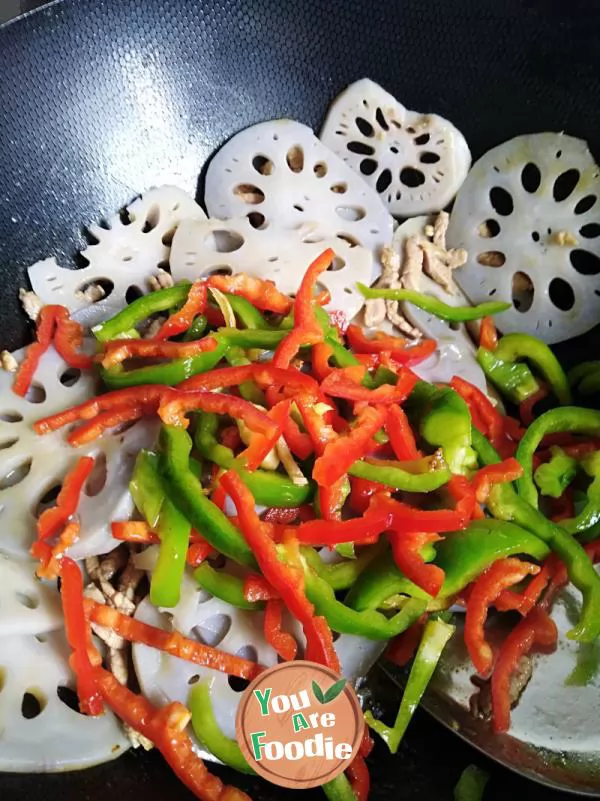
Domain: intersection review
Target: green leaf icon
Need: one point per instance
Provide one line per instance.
(335, 690)
(318, 693)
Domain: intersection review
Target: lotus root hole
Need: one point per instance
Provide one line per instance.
(565, 185)
(522, 292)
(584, 262)
(213, 630)
(501, 201)
(491, 258)
(561, 294)
(531, 178)
(224, 241)
(249, 193)
(295, 158)
(263, 165)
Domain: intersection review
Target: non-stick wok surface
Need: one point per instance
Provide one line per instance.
(102, 99)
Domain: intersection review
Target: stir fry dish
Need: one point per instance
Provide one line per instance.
(298, 430)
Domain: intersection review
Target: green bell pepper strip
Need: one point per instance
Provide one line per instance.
(568, 418)
(169, 373)
(435, 636)
(166, 520)
(346, 550)
(505, 504)
(208, 732)
(513, 379)
(264, 339)
(586, 522)
(394, 476)
(341, 575)
(140, 310)
(186, 492)
(462, 555)
(269, 488)
(471, 785)
(444, 421)
(339, 789)
(453, 314)
(246, 313)
(370, 623)
(515, 347)
(196, 329)
(554, 477)
(587, 376)
(248, 390)
(224, 586)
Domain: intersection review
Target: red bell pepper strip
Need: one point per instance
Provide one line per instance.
(118, 350)
(508, 470)
(523, 602)
(339, 320)
(401, 435)
(482, 408)
(94, 428)
(367, 744)
(165, 727)
(341, 453)
(360, 781)
(332, 498)
(304, 315)
(319, 431)
(51, 557)
(526, 407)
(52, 520)
(488, 336)
(181, 320)
(403, 647)
(395, 347)
(537, 629)
(68, 337)
(345, 383)
(297, 441)
(513, 429)
(171, 642)
(71, 593)
(257, 588)
(287, 516)
(265, 375)
(501, 574)
(53, 322)
(146, 396)
(287, 579)
(406, 550)
(262, 294)
(563, 508)
(320, 355)
(197, 553)
(289, 347)
(281, 641)
(44, 333)
(230, 437)
(361, 492)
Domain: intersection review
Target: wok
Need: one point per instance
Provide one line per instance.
(102, 99)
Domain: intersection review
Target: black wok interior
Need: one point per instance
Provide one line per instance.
(102, 99)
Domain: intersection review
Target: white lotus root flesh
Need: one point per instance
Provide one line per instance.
(40, 729)
(529, 217)
(122, 258)
(279, 173)
(204, 247)
(415, 162)
(32, 467)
